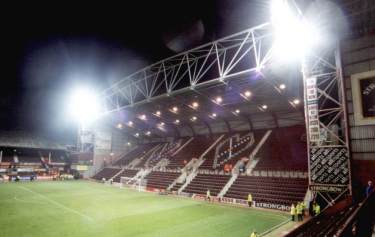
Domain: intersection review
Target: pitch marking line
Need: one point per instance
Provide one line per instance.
(58, 204)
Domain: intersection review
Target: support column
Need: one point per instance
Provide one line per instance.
(326, 125)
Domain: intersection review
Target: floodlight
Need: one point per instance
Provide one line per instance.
(143, 117)
(247, 93)
(296, 101)
(219, 99)
(83, 105)
(175, 109)
(294, 35)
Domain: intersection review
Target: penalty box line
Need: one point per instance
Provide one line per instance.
(58, 204)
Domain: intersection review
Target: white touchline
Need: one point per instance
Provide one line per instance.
(57, 203)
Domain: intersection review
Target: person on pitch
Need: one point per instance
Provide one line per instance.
(250, 200)
(254, 234)
(369, 188)
(208, 195)
(299, 212)
(317, 209)
(293, 212)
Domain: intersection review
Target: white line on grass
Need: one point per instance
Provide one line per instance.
(58, 204)
(25, 201)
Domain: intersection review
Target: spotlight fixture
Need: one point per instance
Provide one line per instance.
(130, 123)
(195, 105)
(119, 125)
(237, 111)
(129, 144)
(162, 124)
(136, 135)
(158, 113)
(214, 115)
(296, 101)
(264, 106)
(143, 117)
(175, 109)
(148, 133)
(247, 93)
(282, 86)
(193, 118)
(218, 100)
(177, 121)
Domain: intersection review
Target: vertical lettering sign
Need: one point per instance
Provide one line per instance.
(367, 89)
(312, 109)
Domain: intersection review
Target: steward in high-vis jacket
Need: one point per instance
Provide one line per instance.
(293, 212)
(299, 212)
(250, 199)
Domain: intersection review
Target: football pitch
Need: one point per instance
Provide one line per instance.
(84, 208)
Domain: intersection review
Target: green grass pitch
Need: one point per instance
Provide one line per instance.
(83, 208)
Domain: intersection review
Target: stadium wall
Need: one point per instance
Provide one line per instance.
(358, 56)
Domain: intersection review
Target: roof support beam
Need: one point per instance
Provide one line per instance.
(192, 129)
(274, 116)
(209, 127)
(251, 126)
(228, 125)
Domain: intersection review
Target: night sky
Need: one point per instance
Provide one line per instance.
(47, 50)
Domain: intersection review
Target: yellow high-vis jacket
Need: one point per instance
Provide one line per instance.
(292, 210)
(249, 198)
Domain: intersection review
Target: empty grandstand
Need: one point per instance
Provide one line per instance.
(227, 138)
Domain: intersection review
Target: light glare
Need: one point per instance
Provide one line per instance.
(296, 101)
(294, 36)
(83, 106)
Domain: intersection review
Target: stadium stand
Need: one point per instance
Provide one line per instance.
(161, 180)
(328, 222)
(202, 182)
(125, 173)
(193, 149)
(106, 173)
(242, 146)
(136, 153)
(284, 150)
(269, 190)
(165, 153)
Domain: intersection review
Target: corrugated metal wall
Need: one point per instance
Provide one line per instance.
(358, 55)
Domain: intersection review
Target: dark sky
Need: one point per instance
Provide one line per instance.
(48, 49)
